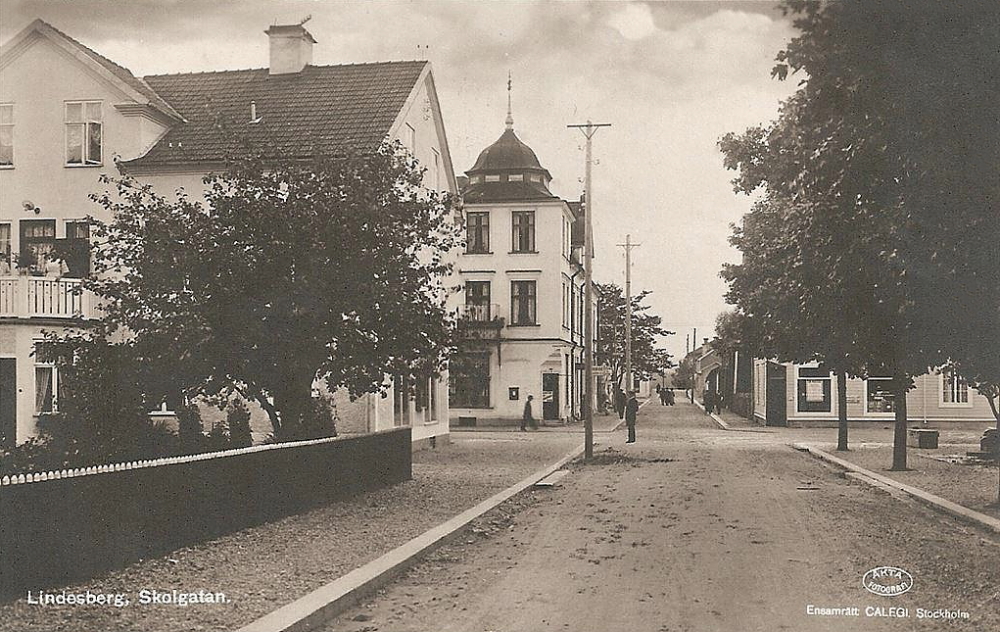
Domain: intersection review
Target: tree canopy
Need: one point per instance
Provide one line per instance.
(647, 359)
(874, 244)
(288, 272)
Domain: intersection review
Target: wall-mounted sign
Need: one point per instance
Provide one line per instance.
(514, 393)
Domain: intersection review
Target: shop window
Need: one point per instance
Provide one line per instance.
(954, 389)
(469, 380)
(879, 397)
(814, 387)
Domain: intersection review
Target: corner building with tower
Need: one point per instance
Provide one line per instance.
(522, 293)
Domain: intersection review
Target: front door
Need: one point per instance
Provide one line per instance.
(8, 402)
(777, 409)
(550, 396)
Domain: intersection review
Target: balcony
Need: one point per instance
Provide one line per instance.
(43, 297)
(479, 313)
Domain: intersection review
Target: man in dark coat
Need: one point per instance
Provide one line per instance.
(528, 418)
(620, 402)
(631, 410)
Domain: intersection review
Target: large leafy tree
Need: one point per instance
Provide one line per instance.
(647, 359)
(287, 273)
(880, 195)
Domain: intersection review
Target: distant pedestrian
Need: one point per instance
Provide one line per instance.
(620, 402)
(670, 396)
(709, 399)
(528, 419)
(631, 410)
(663, 396)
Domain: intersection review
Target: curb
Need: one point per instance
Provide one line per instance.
(330, 600)
(935, 502)
(718, 420)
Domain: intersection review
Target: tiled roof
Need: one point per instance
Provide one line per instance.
(122, 73)
(506, 192)
(321, 110)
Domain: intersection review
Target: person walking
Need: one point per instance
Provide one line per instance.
(670, 396)
(620, 402)
(631, 410)
(709, 400)
(528, 419)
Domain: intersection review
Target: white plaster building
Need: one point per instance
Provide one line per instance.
(521, 317)
(68, 114)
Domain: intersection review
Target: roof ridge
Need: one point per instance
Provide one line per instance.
(236, 70)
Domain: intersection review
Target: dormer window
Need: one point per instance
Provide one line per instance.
(84, 133)
(493, 178)
(476, 179)
(516, 177)
(535, 177)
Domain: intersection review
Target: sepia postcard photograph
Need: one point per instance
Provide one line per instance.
(499, 316)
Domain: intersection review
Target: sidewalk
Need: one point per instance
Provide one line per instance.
(264, 567)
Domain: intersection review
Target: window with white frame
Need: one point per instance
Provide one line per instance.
(954, 389)
(879, 396)
(410, 138)
(813, 388)
(84, 133)
(523, 303)
(6, 264)
(477, 227)
(516, 177)
(46, 387)
(6, 134)
(522, 231)
(436, 168)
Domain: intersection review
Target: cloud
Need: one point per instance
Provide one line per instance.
(634, 21)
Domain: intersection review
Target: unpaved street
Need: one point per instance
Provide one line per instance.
(693, 528)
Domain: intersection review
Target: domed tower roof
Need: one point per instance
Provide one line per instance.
(508, 153)
(508, 170)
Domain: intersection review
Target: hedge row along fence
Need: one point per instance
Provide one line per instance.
(59, 527)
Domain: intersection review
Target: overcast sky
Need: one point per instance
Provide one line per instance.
(671, 77)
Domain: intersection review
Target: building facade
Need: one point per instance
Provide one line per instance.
(522, 298)
(69, 115)
(802, 394)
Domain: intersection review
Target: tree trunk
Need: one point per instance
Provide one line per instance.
(293, 399)
(841, 411)
(899, 431)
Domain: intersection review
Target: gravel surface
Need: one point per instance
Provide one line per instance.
(262, 568)
(693, 529)
(972, 486)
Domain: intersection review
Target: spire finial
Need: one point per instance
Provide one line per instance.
(510, 118)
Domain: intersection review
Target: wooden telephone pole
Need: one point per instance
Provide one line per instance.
(628, 246)
(589, 129)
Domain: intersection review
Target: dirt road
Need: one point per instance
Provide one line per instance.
(691, 529)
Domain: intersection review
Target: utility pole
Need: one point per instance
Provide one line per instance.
(588, 321)
(628, 246)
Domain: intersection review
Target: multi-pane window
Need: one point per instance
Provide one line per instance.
(469, 380)
(478, 233)
(38, 240)
(814, 390)
(75, 250)
(879, 396)
(5, 260)
(477, 300)
(6, 135)
(46, 384)
(523, 229)
(523, 303)
(84, 133)
(954, 388)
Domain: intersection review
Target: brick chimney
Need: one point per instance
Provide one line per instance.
(291, 48)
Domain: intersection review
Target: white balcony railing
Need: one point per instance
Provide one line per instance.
(43, 297)
(478, 313)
